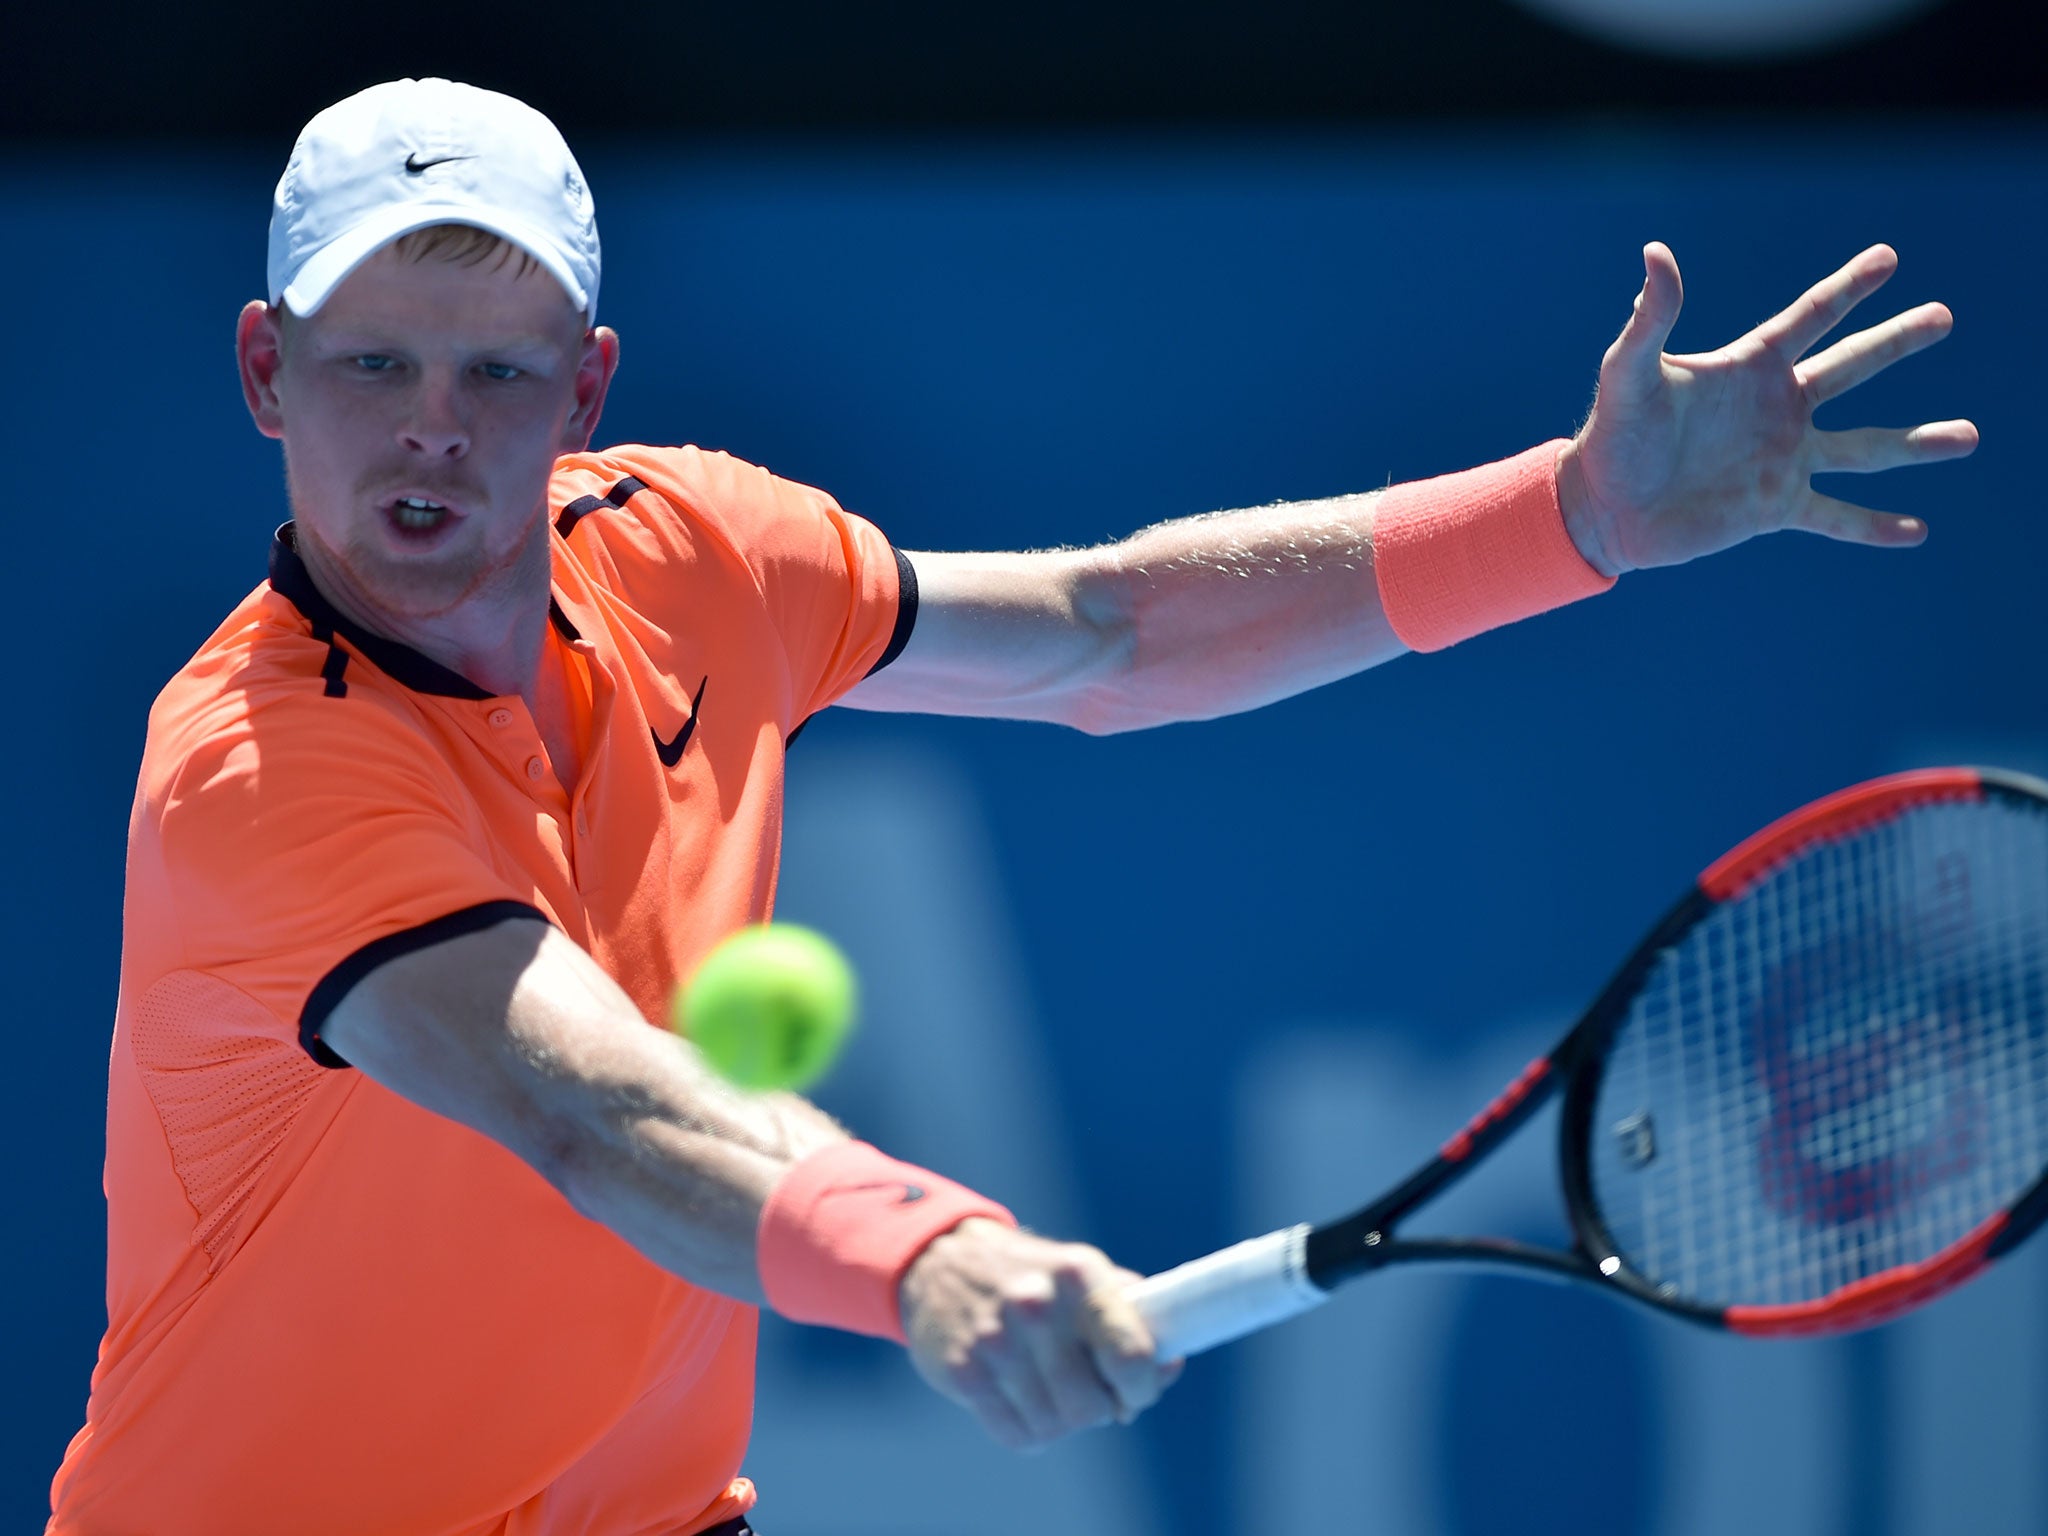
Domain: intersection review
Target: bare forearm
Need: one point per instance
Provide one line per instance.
(679, 1164)
(1233, 610)
(1187, 620)
(520, 1035)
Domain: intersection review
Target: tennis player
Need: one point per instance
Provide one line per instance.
(417, 1225)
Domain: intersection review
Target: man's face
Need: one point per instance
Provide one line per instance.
(421, 410)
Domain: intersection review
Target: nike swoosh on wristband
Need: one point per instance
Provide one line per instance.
(671, 752)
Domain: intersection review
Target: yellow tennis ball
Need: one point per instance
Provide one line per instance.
(769, 1007)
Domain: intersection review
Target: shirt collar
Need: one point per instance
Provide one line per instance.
(290, 580)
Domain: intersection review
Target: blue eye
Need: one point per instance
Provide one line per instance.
(376, 362)
(503, 373)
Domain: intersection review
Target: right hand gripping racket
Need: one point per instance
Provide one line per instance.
(1815, 1097)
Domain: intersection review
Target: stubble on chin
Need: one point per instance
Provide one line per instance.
(422, 589)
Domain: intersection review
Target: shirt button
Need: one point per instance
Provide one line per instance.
(535, 768)
(501, 718)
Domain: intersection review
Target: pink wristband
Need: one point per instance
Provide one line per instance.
(1469, 552)
(841, 1227)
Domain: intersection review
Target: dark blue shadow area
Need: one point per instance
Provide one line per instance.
(1007, 345)
(1549, 1415)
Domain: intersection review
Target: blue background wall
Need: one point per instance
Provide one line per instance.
(994, 343)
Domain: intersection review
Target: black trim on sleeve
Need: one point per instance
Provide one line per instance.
(906, 611)
(583, 506)
(326, 996)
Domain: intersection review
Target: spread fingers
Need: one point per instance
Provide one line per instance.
(1866, 450)
(1827, 303)
(1852, 524)
(1855, 358)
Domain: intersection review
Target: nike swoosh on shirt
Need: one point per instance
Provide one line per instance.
(671, 752)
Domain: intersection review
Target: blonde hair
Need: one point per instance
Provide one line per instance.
(463, 244)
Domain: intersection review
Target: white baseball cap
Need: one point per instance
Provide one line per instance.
(409, 153)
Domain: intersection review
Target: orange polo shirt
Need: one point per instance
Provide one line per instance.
(330, 1310)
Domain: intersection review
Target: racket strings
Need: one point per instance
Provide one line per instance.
(1842, 1071)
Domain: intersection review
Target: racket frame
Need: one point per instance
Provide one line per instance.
(1366, 1240)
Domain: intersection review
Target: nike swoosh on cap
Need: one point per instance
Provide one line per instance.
(414, 164)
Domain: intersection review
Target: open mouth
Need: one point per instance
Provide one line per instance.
(418, 518)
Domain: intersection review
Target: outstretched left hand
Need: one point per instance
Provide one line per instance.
(1686, 455)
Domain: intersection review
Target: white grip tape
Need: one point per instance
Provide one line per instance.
(1230, 1293)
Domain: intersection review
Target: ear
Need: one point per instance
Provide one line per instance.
(594, 370)
(259, 351)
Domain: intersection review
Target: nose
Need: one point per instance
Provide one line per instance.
(435, 426)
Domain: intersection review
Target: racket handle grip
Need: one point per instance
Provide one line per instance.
(1228, 1294)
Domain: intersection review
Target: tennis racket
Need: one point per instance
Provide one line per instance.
(1815, 1097)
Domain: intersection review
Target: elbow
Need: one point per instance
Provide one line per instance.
(1106, 713)
(562, 1151)
(1118, 712)
(1098, 697)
